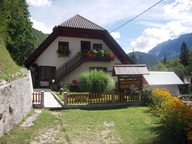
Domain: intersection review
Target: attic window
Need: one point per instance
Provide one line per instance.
(63, 48)
(97, 46)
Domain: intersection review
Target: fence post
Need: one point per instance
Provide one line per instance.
(140, 97)
(42, 98)
(113, 97)
(65, 98)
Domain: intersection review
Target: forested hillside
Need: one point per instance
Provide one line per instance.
(17, 37)
(182, 66)
(39, 37)
(16, 30)
(144, 58)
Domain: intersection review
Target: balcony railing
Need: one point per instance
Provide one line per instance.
(102, 59)
(95, 55)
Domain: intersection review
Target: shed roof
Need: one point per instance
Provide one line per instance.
(162, 78)
(78, 21)
(130, 69)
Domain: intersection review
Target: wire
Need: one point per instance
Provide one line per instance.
(137, 16)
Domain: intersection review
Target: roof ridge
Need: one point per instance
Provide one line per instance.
(89, 21)
(78, 21)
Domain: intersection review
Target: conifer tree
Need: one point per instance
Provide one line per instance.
(184, 54)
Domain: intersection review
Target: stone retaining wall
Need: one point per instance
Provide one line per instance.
(15, 102)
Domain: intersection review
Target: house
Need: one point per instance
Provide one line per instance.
(168, 80)
(68, 51)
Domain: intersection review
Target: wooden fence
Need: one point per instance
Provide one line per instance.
(36, 97)
(98, 98)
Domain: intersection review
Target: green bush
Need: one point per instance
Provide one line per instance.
(147, 90)
(96, 81)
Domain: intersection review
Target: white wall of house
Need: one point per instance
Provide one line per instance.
(50, 57)
(74, 75)
(173, 89)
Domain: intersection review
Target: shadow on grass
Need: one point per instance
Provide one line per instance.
(164, 136)
(98, 108)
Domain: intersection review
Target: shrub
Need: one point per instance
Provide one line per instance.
(147, 90)
(174, 114)
(96, 81)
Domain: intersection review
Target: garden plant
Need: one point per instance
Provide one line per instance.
(174, 114)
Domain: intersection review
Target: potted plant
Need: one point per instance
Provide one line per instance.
(101, 53)
(109, 55)
(88, 54)
(94, 53)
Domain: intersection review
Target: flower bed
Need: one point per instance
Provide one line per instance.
(96, 53)
(175, 115)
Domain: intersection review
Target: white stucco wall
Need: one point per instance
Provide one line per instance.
(173, 89)
(50, 57)
(74, 75)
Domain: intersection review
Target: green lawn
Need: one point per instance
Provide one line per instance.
(131, 125)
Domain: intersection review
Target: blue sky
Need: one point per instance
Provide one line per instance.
(167, 20)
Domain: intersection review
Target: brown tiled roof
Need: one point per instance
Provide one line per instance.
(78, 21)
(130, 69)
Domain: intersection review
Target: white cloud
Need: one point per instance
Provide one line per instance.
(39, 3)
(102, 12)
(41, 26)
(115, 35)
(180, 21)
(151, 24)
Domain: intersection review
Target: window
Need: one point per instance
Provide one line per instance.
(97, 46)
(47, 73)
(63, 48)
(104, 69)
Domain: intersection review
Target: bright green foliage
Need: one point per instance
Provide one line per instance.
(159, 67)
(21, 39)
(171, 65)
(96, 81)
(184, 54)
(94, 52)
(101, 53)
(16, 29)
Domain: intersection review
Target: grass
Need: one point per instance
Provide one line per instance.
(131, 125)
(21, 135)
(9, 70)
(59, 95)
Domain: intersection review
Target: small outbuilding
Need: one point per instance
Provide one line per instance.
(130, 75)
(167, 80)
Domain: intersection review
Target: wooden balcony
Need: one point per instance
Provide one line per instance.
(99, 59)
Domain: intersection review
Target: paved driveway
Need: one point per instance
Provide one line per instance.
(50, 101)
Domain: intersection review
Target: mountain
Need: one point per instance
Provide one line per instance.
(144, 58)
(171, 48)
(39, 37)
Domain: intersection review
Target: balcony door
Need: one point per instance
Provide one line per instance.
(85, 46)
